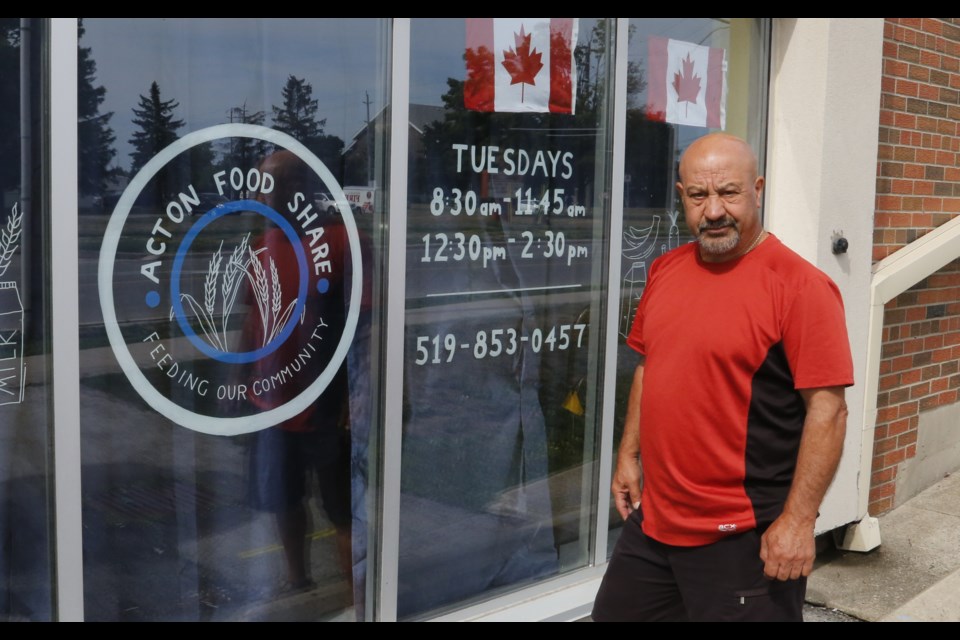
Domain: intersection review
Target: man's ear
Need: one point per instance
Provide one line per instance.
(758, 188)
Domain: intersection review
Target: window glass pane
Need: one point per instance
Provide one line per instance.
(687, 77)
(506, 255)
(26, 488)
(229, 300)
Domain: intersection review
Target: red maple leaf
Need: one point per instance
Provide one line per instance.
(524, 64)
(686, 84)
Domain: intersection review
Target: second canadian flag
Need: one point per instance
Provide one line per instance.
(688, 83)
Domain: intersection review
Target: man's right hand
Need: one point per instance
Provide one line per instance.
(628, 479)
(626, 486)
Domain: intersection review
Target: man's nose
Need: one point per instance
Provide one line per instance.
(714, 209)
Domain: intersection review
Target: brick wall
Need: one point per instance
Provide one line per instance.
(918, 189)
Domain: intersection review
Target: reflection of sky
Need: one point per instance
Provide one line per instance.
(432, 41)
(209, 65)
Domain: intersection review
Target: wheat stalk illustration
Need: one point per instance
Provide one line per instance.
(229, 284)
(210, 284)
(234, 267)
(233, 278)
(261, 294)
(279, 319)
(242, 265)
(275, 296)
(204, 313)
(9, 238)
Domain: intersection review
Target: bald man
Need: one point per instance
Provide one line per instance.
(736, 416)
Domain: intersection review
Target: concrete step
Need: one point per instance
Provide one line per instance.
(914, 575)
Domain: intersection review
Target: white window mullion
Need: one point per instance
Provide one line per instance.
(608, 407)
(64, 299)
(395, 324)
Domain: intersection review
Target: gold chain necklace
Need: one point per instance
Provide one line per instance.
(753, 245)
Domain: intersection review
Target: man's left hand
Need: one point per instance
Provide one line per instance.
(788, 548)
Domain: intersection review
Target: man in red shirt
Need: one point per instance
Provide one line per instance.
(736, 417)
(314, 444)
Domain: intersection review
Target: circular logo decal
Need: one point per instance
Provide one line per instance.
(230, 300)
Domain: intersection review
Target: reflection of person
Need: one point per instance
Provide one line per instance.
(315, 443)
(736, 417)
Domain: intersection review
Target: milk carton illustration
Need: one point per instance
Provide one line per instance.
(11, 344)
(11, 317)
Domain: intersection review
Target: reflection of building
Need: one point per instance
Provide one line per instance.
(356, 158)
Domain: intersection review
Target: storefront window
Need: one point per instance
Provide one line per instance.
(232, 231)
(26, 467)
(506, 251)
(686, 77)
(229, 295)
(26, 471)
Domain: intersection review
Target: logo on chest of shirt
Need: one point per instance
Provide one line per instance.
(726, 528)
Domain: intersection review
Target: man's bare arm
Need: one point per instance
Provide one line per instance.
(788, 547)
(628, 477)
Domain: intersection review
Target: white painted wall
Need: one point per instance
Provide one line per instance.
(821, 179)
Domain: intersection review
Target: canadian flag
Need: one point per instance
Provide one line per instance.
(688, 83)
(520, 64)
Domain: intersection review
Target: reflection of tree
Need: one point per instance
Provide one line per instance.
(649, 162)
(95, 137)
(594, 59)
(480, 78)
(245, 153)
(592, 72)
(298, 117)
(201, 165)
(158, 128)
(459, 126)
(591, 68)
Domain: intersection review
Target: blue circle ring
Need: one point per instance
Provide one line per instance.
(212, 215)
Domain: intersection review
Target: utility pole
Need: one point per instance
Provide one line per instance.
(369, 150)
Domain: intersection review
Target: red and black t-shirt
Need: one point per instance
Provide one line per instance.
(282, 278)
(727, 346)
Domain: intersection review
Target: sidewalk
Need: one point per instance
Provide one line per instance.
(913, 576)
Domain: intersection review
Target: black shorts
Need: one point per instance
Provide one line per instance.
(649, 581)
